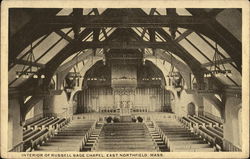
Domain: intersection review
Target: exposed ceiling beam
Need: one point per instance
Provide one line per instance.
(152, 11)
(74, 60)
(63, 35)
(96, 33)
(149, 21)
(41, 56)
(124, 45)
(11, 65)
(143, 32)
(214, 12)
(95, 10)
(222, 61)
(180, 66)
(77, 12)
(215, 48)
(29, 63)
(152, 37)
(183, 35)
(204, 55)
(193, 63)
(31, 31)
(222, 36)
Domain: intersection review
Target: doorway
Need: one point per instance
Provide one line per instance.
(191, 109)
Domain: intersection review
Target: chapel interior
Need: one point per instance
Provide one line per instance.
(124, 80)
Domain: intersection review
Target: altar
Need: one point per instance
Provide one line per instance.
(125, 111)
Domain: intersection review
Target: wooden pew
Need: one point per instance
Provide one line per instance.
(194, 150)
(215, 131)
(199, 131)
(196, 120)
(218, 128)
(169, 139)
(51, 127)
(42, 132)
(187, 146)
(209, 120)
(211, 133)
(26, 126)
(213, 138)
(193, 123)
(220, 124)
(186, 123)
(204, 121)
(185, 141)
(59, 124)
(58, 149)
(177, 137)
(36, 122)
(43, 136)
(36, 138)
(26, 131)
(43, 123)
(49, 123)
(31, 134)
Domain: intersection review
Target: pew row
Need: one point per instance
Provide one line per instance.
(41, 132)
(70, 138)
(204, 130)
(178, 138)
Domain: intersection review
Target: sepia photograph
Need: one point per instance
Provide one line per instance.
(124, 79)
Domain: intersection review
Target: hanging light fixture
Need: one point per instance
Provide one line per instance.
(27, 70)
(171, 74)
(76, 74)
(217, 69)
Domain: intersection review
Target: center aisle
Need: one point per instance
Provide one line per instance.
(124, 137)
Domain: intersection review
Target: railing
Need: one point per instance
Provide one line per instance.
(228, 146)
(17, 148)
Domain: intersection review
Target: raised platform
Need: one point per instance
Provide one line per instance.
(126, 118)
(145, 115)
(125, 137)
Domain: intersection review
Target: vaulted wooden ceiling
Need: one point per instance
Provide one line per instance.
(58, 34)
